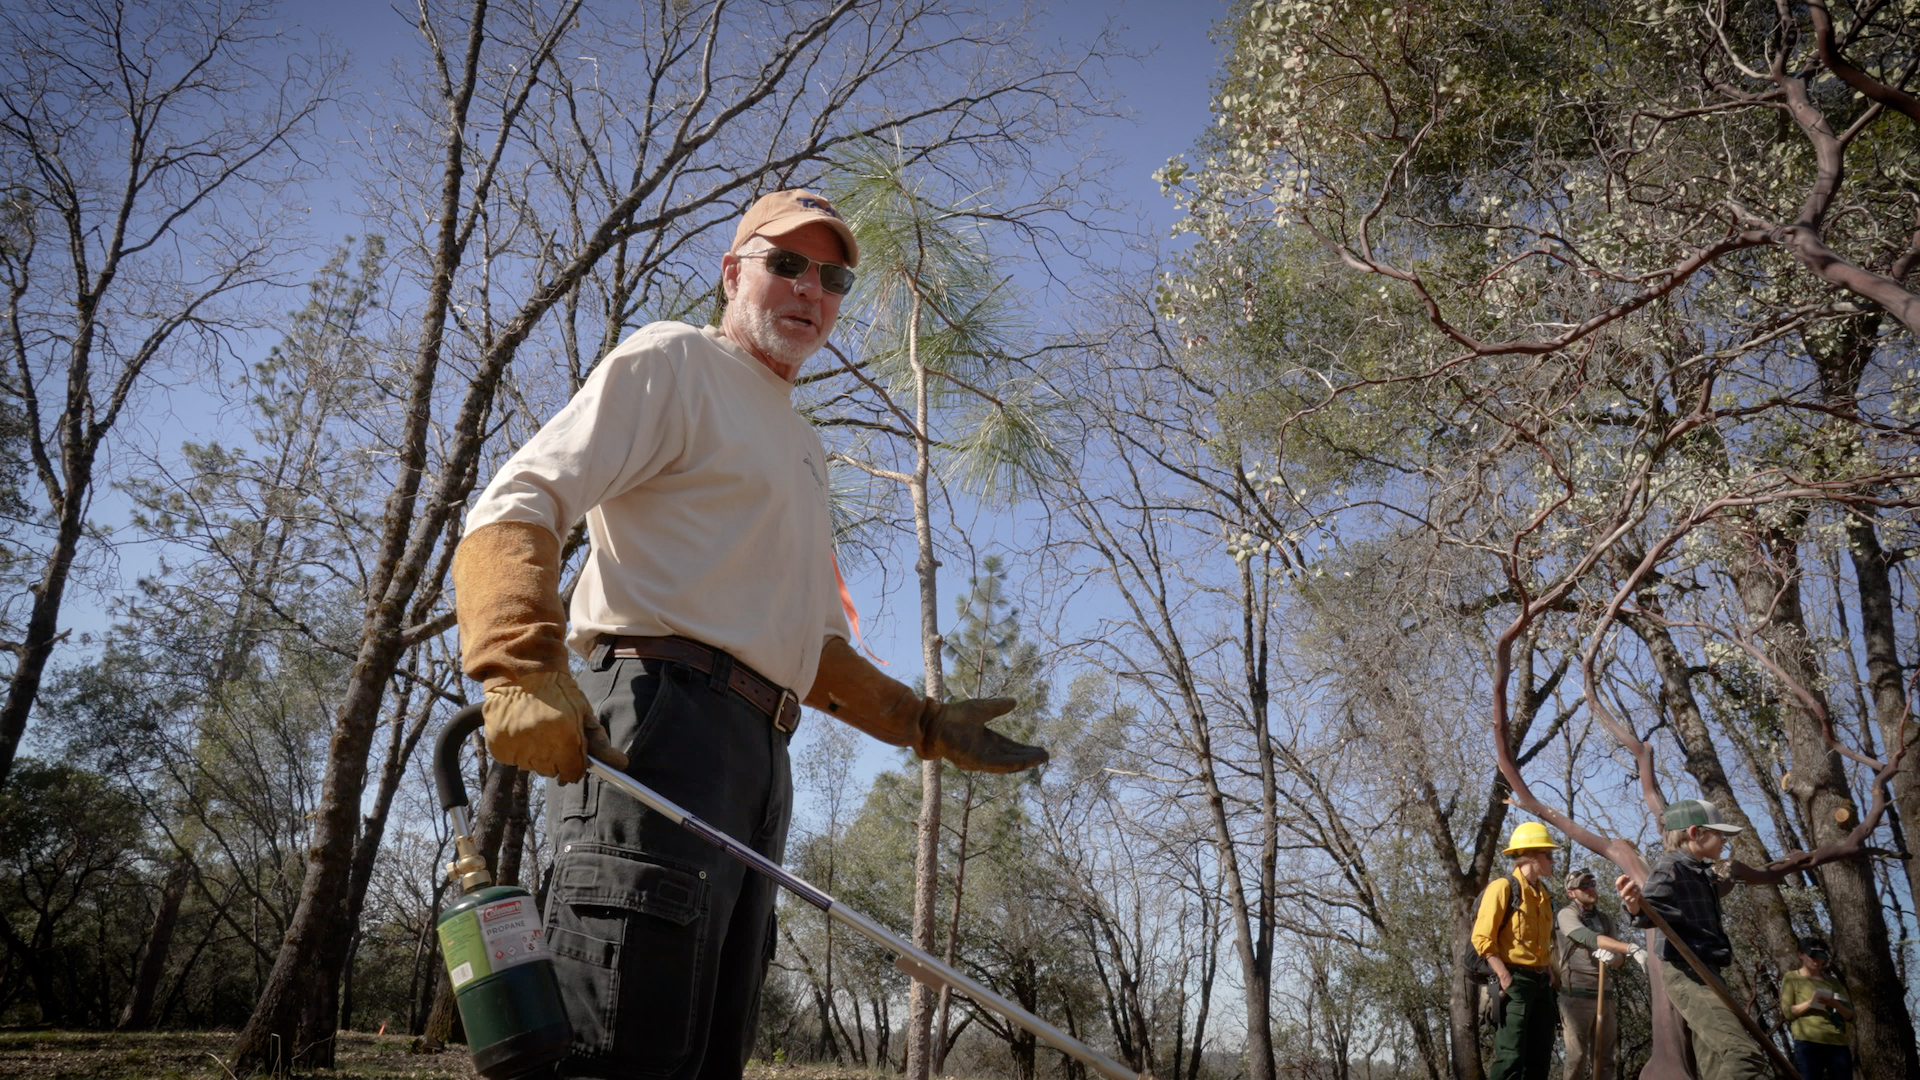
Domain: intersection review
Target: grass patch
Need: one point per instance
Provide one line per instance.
(202, 1055)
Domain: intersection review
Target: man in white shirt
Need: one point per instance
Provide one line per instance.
(707, 610)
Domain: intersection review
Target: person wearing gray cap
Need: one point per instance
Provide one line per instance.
(1686, 892)
(707, 610)
(1818, 1013)
(1588, 939)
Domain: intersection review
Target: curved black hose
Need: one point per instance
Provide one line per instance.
(446, 757)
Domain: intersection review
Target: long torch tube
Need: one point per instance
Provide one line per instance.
(916, 963)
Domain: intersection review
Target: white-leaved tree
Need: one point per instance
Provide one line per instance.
(1615, 300)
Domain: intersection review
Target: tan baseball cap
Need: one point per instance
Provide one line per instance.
(782, 212)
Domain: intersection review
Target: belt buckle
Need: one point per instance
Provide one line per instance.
(780, 721)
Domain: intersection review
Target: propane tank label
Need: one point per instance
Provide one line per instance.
(490, 938)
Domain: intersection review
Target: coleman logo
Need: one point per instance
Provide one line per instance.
(500, 911)
(819, 205)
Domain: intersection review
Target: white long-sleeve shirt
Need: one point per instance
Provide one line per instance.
(705, 498)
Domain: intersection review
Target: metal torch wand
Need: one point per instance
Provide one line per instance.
(916, 963)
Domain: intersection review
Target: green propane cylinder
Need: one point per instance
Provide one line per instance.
(503, 982)
(495, 949)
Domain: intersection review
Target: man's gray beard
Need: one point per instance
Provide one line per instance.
(761, 328)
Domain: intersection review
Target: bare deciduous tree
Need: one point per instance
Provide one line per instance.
(125, 131)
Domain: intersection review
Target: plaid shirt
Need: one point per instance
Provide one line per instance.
(1686, 893)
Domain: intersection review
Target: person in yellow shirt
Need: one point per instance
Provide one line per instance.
(1818, 1010)
(1517, 942)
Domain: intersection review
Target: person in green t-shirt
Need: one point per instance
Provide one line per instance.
(1818, 1013)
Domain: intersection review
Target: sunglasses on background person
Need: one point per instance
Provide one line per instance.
(834, 278)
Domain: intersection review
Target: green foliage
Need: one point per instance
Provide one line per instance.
(70, 849)
(933, 306)
(16, 513)
(213, 697)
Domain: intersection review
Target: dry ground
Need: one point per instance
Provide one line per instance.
(93, 1055)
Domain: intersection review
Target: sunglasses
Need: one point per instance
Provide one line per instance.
(834, 278)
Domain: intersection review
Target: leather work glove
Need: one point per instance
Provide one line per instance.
(543, 723)
(958, 732)
(506, 581)
(855, 691)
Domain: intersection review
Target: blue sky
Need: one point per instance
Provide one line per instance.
(1166, 92)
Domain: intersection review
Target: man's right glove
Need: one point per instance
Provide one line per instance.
(855, 691)
(506, 579)
(543, 723)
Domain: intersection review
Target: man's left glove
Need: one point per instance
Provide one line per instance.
(855, 691)
(506, 580)
(958, 731)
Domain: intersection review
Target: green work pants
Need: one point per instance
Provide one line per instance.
(1523, 1046)
(1721, 1046)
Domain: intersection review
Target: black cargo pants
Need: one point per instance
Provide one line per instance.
(660, 940)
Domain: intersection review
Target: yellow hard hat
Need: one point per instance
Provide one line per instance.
(1529, 836)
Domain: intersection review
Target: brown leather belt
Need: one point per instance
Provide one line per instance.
(778, 702)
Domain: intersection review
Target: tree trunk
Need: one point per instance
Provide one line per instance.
(345, 1020)
(1703, 764)
(940, 1041)
(513, 836)
(1465, 883)
(1423, 1041)
(180, 979)
(1252, 942)
(1873, 571)
(439, 1031)
(882, 1035)
(423, 980)
(1025, 1046)
(1209, 966)
(33, 956)
(1254, 608)
(42, 629)
(1463, 1000)
(826, 1047)
(138, 1014)
(294, 1019)
(926, 858)
(373, 829)
(1842, 362)
(1768, 582)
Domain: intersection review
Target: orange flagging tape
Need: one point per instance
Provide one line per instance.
(846, 605)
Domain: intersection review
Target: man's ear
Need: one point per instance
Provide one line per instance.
(729, 274)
